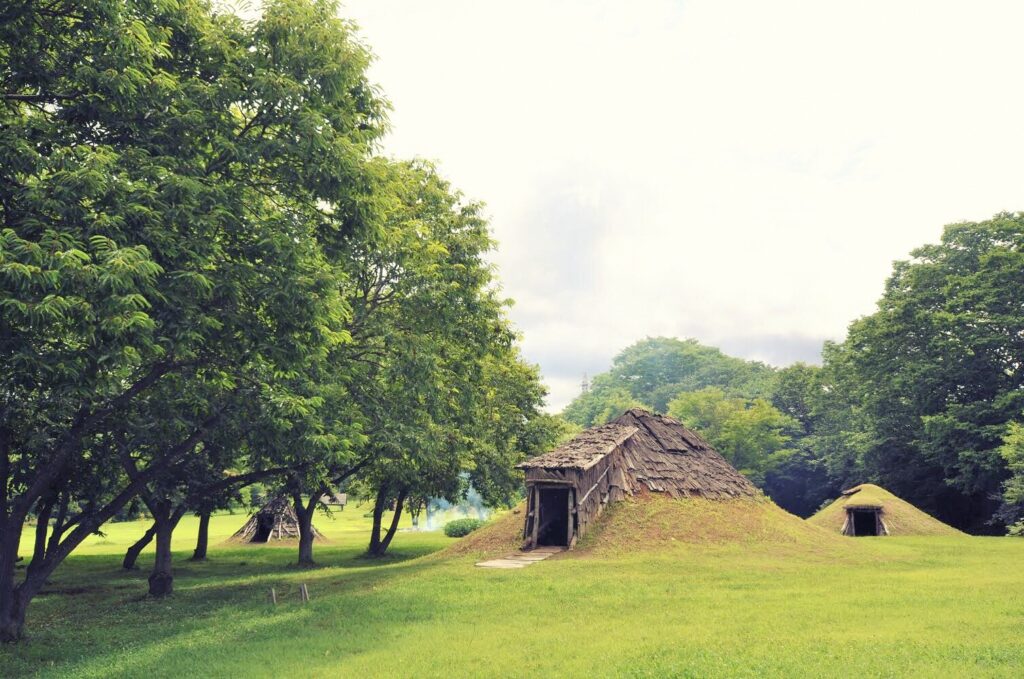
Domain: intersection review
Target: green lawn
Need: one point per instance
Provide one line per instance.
(878, 607)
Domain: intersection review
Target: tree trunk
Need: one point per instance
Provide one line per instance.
(415, 507)
(203, 539)
(132, 555)
(380, 545)
(161, 580)
(378, 512)
(12, 600)
(305, 541)
(304, 514)
(13, 604)
(42, 527)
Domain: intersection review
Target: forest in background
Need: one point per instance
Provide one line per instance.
(925, 396)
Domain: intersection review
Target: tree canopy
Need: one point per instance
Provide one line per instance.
(208, 277)
(653, 371)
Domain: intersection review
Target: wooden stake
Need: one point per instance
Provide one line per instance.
(273, 596)
(568, 518)
(536, 516)
(303, 593)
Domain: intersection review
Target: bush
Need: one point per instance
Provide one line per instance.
(461, 527)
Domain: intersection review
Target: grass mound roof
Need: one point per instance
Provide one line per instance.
(650, 522)
(901, 517)
(655, 521)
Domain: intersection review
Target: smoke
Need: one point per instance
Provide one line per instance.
(439, 511)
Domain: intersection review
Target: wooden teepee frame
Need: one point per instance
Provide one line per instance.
(275, 520)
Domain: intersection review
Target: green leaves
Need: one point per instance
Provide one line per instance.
(654, 370)
(937, 370)
(177, 210)
(751, 433)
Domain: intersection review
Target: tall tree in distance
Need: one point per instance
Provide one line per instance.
(653, 371)
(433, 368)
(751, 434)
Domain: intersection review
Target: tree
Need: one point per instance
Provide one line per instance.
(750, 433)
(1012, 450)
(937, 374)
(827, 446)
(174, 185)
(655, 370)
(603, 403)
(434, 371)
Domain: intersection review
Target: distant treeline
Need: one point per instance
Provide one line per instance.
(925, 396)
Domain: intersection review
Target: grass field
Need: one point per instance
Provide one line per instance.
(664, 606)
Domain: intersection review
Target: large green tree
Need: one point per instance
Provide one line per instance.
(937, 373)
(435, 371)
(176, 186)
(828, 443)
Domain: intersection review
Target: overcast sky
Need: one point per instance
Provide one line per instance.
(743, 173)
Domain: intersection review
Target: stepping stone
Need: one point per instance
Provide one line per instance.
(521, 559)
(503, 563)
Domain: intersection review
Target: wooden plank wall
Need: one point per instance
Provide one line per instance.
(592, 490)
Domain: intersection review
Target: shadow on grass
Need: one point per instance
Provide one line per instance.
(94, 618)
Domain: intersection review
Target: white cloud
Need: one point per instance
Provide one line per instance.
(743, 173)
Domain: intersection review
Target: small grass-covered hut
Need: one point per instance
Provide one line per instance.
(275, 520)
(639, 452)
(870, 510)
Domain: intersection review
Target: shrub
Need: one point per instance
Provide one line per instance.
(461, 527)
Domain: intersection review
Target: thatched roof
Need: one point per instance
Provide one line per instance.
(584, 450)
(657, 452)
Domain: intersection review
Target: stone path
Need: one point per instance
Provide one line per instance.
(521, 559)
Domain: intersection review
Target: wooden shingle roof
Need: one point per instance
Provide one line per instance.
(584, 450)
(656, 452)
(667, 457)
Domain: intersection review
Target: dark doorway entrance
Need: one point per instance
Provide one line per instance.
(554, 517)
(264, 528)
(865, 521)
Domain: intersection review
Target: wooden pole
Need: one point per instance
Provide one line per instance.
(303, 593)
(529, 513)
(273, 596)
(568, 519)
(536, 516)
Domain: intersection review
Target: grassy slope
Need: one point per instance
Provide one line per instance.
(901, 517)
(704, 604)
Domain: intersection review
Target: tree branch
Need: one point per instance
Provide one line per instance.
(37, 98)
